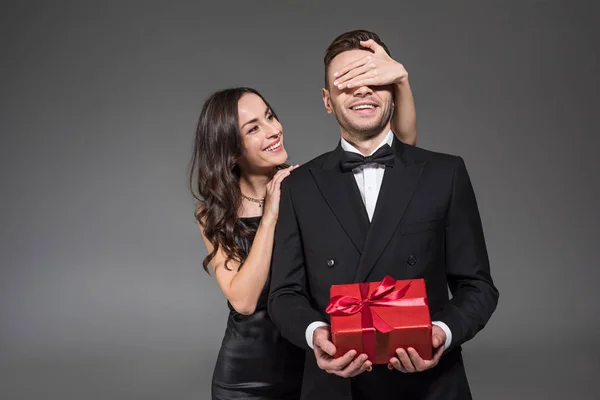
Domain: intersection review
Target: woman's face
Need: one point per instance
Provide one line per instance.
(262, 134)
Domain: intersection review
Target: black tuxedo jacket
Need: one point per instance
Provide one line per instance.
(426, 224)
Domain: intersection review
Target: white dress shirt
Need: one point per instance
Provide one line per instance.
(369, 178)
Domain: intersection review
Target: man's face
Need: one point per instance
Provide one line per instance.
(364, 111)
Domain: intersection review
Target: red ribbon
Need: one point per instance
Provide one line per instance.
(384, 295)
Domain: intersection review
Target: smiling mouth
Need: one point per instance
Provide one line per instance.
(363, 107)
(274, 147)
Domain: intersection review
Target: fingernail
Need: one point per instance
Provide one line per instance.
(390, 366)
(336, 73)
(335, 83)
(370, 369)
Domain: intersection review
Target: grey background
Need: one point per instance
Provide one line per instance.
(102, 294)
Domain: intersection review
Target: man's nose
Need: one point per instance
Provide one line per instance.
(362, 91)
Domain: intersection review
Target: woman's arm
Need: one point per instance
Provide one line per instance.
(243, 286)
(404, 119)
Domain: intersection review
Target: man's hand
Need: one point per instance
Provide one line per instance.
(345, 366)
(378, 69)
(411, 361)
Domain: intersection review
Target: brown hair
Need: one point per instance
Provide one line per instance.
(349, 41)
(214, 174)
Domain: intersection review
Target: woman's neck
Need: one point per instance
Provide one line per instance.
(255, 185)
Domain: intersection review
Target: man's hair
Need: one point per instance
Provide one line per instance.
(349, 41)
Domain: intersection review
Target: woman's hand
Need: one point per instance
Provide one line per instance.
(273, 193)
(377, 69)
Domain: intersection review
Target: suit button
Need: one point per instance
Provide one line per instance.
(331, 263)
(411, 260)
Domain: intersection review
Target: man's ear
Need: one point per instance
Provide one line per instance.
(326, 100)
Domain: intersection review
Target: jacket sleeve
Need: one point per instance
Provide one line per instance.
(474, 296)
(289, 303)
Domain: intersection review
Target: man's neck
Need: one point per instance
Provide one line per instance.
(366, 146)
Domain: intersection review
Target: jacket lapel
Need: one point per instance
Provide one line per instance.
(397, 188)
(341, 193)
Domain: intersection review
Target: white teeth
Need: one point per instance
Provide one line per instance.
(271, 148)
(363, 106)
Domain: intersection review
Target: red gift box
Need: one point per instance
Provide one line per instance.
(376, 318)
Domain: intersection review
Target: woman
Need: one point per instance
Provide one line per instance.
(237, 169)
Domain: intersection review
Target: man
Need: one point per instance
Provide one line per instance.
(404, 212)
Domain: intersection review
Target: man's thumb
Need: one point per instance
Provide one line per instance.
(436, 341)
(326, 346)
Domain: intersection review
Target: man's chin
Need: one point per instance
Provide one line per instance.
(366, 131)
(366, 124)
(363, 129)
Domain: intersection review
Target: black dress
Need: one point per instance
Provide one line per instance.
(255, 362)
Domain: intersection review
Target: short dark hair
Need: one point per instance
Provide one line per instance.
(349, 41)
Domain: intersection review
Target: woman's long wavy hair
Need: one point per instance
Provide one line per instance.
(215, 174)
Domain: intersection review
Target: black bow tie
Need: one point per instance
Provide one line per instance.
(384, 156)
